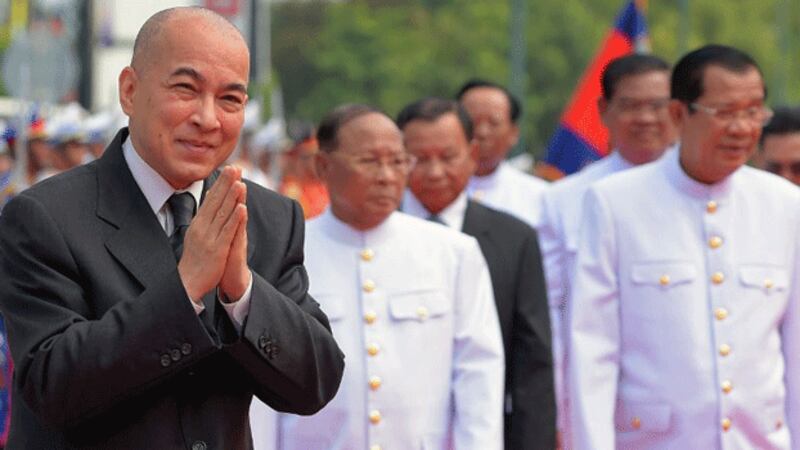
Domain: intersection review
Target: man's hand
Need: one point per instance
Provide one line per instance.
(236, 277)
(211, 234)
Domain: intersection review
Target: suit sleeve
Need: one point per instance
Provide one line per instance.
(533, 417)
(69, 368)
(478, 364)
(288, 348)
(593, 317)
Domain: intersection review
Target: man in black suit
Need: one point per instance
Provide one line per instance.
(439, 133)
(132, 324)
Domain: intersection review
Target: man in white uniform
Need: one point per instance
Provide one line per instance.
(633, 107)
(684, 310)
(494, 112)
(409, 301)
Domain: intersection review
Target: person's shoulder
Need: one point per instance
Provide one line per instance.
(66, 190)
(429, 234)
(529, 181)
(499, 221)
(267, 197)
(766, 185)
(628, 180)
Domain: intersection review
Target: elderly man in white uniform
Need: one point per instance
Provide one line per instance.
(684, 310)
(633, 107)
(409, 301)
(494, 112)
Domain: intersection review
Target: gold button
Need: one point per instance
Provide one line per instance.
(768, 283)
(373, 349)
(370, 317)
(369, 286)
(422, 313)
(664, 280)
(374, 447)
(477, 195)
(715, 242)
(721, 313)
(717, 277)
(367, 254)
(724, 350)
(727, 386)
(374, 382)
(375, 417)
(711, 207)
(726, 424)
(636, 423)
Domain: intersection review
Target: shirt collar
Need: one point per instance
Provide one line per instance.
(154, 187)
(452, 215)
(488, 181)
(681, 180)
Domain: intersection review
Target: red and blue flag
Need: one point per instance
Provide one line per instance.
(581, 137)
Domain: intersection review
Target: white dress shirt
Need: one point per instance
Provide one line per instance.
(410, 303)
(558, 237)
(452, 215)
(685, 312)
(510, 190)
(157, 191)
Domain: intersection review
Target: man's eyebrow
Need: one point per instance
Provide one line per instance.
(188, 71)
(192, 73)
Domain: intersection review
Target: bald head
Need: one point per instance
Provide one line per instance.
(161, 24)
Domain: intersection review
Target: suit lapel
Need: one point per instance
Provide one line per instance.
(139, 243)
(475, 222)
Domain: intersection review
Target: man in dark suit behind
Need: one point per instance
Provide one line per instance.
(125, 333)
(438, 133)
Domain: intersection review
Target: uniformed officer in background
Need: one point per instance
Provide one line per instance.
(684, 313)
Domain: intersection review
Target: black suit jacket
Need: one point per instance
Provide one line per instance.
(511, 249)
(109, 352)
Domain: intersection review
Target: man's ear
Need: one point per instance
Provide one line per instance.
(322, 162)
(677, 112)
(514, 134)
(127, 83)
(602, 108)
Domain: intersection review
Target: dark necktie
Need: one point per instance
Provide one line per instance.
(182, 207)
(437, 219)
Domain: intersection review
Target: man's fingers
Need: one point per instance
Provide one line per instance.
(227, 208)
(215, 196)
(231, 226)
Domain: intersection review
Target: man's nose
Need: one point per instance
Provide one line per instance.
(205, 115)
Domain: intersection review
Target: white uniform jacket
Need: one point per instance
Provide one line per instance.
(510, 190)
(410, 303)
(558, 237)
(684, 312)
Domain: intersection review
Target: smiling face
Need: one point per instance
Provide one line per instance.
(711, 148)
(445, 160)
(637, 116)
(185, 97)
(366, 172)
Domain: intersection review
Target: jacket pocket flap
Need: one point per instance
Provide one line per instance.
(653, 417)
(663, 273)
(766, 277)
(418, 305)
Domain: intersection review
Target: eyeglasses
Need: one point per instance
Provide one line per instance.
(754, 114)
(779, 168)
(372, 164)
(631, 106)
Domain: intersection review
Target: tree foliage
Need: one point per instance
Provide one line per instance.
(391, 52)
